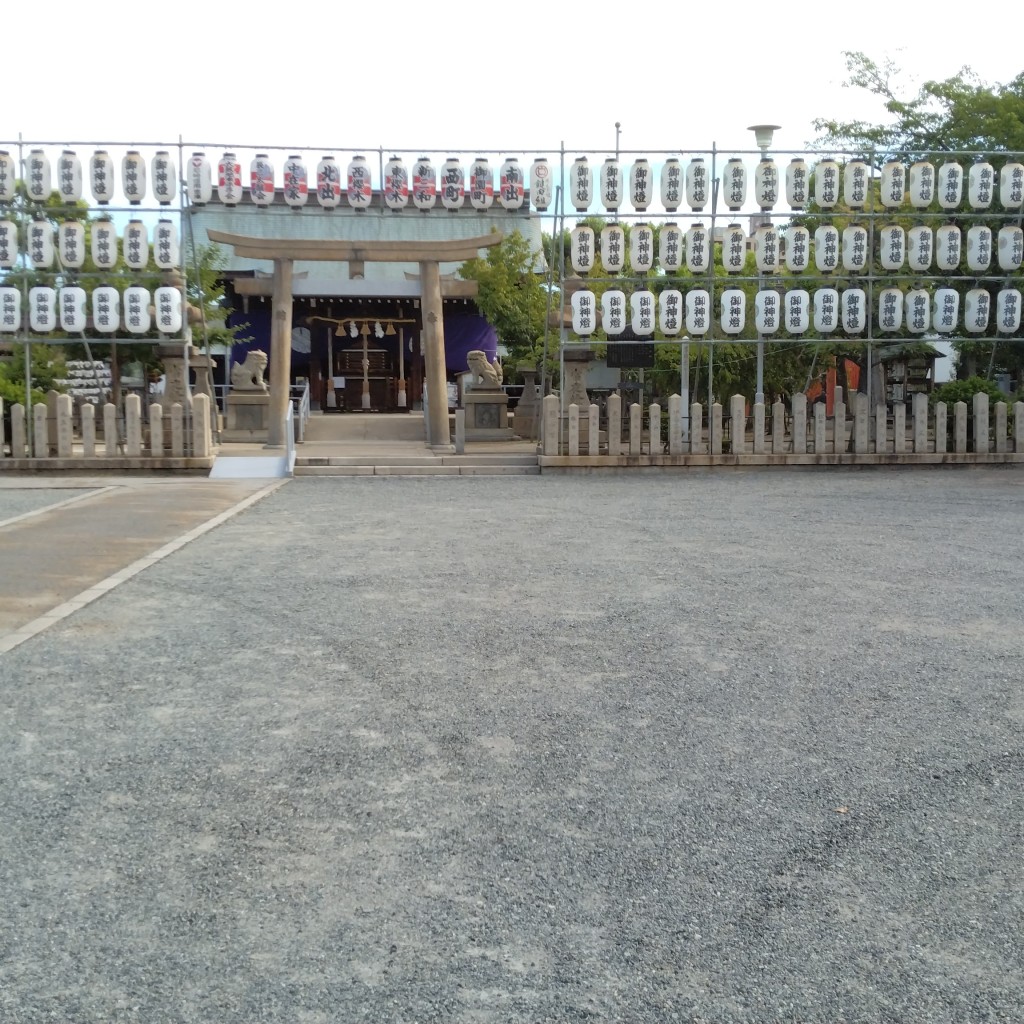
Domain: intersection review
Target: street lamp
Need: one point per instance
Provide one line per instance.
(763, 135)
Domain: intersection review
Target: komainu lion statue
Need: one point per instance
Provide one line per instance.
(248, 376)
(488, 374)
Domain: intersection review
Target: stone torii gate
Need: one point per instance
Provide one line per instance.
(283, 252)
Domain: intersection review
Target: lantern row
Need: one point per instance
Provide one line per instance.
(794, 311)
(833, 250)
(65, 309)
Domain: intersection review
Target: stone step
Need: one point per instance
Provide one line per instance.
(525, 459)
(434, 469)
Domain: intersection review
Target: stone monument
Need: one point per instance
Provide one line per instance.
(527, 414)
(486, 404)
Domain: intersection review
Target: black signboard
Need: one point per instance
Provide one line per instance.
(630, 355)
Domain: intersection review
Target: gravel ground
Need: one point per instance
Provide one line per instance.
(16, 502)
(734, 747)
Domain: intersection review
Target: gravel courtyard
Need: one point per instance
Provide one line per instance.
(723, 747)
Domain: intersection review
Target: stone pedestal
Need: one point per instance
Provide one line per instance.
(486, 415)
(527, 415)
(248, 416)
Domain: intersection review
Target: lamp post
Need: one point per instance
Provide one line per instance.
(763, 134)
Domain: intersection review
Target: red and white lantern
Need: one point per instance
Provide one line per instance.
(396, 184)
(481, 184)
(697, 188)
(641, 248)
(261, 180)
(296, 182)
(71, 245)
(101, 176)
(642, 316)
(613, 248)
(135, 245)
(166, 248)
(133, 177)
(424, 184)
(328, 182)
(359, 189)
(453, 184)
(540, 184)
(69, 176)
(670, 312)
(826, 310)
(106, 309)
(671, 184)
(137, 319)
(511, 184)
(698, 311)
(42, 309)
(73, 309)
(200, 180)
(165, 178)
(38, 179)
(611, 184)
(613, 312)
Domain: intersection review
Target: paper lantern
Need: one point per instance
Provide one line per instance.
(165, 178)
(613, 312)
(766, 248)
(734, 249)
(979, 247)
(71, 245)
(38, 177)
(798, 249)
(734, 307)
(104, 244)
(328, 182)
(670, 312)
(797, 304)
(698, 307)
(893, 184)
(641, 248)
(72, 302)
(136, 310)
(69, 176)
(424, 185)
(1011, 186)
(1008, 311)
(920, 245)
(511, 184)
(892, 246)
(766, 183)
(360, 191)
(697, 184)
(855, 184)
(826, 248)
(133, 177)
(797, 178)
(981, 181)
(453, 184)
(166, 249)
(734, 183)
(670, 248)
(581, 184)
(481, 184)
(10, 310)
(916, 312)
(101, 176)
(767, 312)
(641, 304)
(855, 248)
(826, 184)
(945, 310)
(540, 184)
(8, 244)
(1010, 247)
(950, 185)
(921, 184)
(396, 184)
(106, 309)
(611, 184)
(977, 310)
(890, 309)
(296, 182)
(168, 310)
(261, 180)
(135, 245)
(855, 304)
(42, 309)
(40, 244)
(200, 180)
(671, 184)
(641, 184)
(584, 312)
(826, 310)
(581, 250)
(613, 248)
(947, 247)
(698, 249)
(8, 177)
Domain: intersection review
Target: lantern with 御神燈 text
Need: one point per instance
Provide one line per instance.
(40, 244)
(1010, 247)
(921, 184)
(826, 248)
(1011, 186)
(977, 310)
(641, 184)
(826, 310)
(133, 177)
(855, 184)
(396, 184)
(670, 247)
(920, 245)
(1008, 310)
(854, 302)
(261, 180)
(734, 311)
(979, 247)
(71, 245)
(424, 185)
(641, 304)
(584, 312)
(69, 176)
(481, 184)
(106, 309)
(168, 304)
(641, 248)
(698, 248)
(766, 248)
(698, 311)
(734, 249)
(613, 312)
(798, 249)
(166, 249)
(981, 180)
(165, 178)
(613, 248)
(947, 247)
(855, 248)
(136, 310)
(101, 176)
(892, 246)
(734, 184)
(37, 176)
(796, 311)
(8, 177)
(581, 249)
(797, 178)
(73, 305)
(540, 184)
(10, 310)
(611, 184)
(328, 182)
(766, 183)
(511, 184)
(453, 184)
(135, 245)
(949, 187)
(767, 312)
(296, 182)
(670, 312)
(893, 184)
(581, 184)
(200, 180)
(697, 184)
(826, 184)
(359, 189)
(945, 310)
(671, 184)
(890, 309)
(42, 309)
(104, 244)
(916, 311)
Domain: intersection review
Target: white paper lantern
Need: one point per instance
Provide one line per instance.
(166, 248)
(8, 244)
(797, 304)
(916, 311)
(671, 184)
(855, 184)
(670, 312)
(1011, 186)
(981, 181)
(540, 184)
(296, 182)
(920, 246)
(581, 250)
(950, 185)
(977, 310)
(101, 176)
(613, 248)
(855, 306)
(826, 184)
(40, 244)
(106, 309)
(360, 191)
(698, 311)
(697, 191)
(8, 177)
(42, 309)
(734, 184)
(511, 184)
(766, 248)
(641, 184)
(424, 184)
(168, 310)
(890, 309)
(38, 180)
(945, 310)
(10, 310)
(826, 310)
(104, 245)
(581, 184)
(797, 179)
(893, 184)
(892, 246)
(165, 178)
(947, 247)
(855, 248)
(1008, 310)
(328, 182)
(73, 316)
(921, 184)
(584, 312)
(133, 177)
(734, 249)
(135, 245)
(767, 312)
(481, 184)
(200, 179)
(641, 248)
(641, 304)
(698, 249)
(396, 184)
(979, 247)
(1010, 247)
(453, 184)
(766, 183)
(69, 176)
(734, 311)
(71, 245)
(261, 180)
(670, 247)
(136, 310)
(826, 248)
(798, 249)
(613, 312)
(611, 184)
